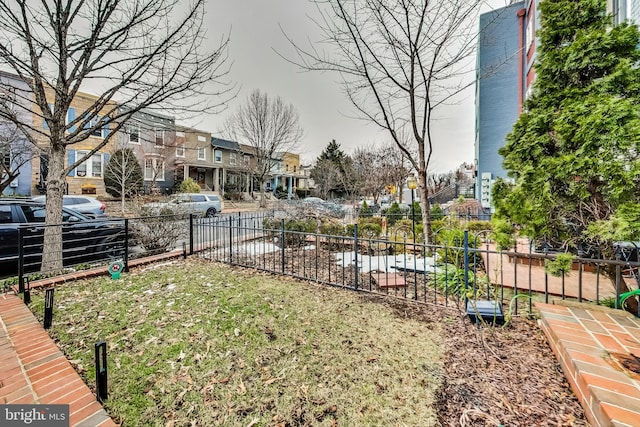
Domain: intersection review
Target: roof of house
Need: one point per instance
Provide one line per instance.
(223, 143)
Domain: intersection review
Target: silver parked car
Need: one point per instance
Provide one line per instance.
(84, 204)
(201, 204)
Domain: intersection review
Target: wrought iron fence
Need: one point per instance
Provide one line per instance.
(447, 274)
(464, 267)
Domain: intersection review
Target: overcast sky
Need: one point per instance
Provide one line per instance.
(325, 113)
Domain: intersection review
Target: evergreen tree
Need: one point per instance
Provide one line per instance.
(574, 152)
(123, 174)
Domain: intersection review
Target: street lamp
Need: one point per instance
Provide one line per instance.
(412, 183)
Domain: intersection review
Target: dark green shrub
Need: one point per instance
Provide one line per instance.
(394, 214)
(333, 229)
(476, 226)
(436, 212)
(365, 211)
(295, 230)
(302, 192)
(417, 212)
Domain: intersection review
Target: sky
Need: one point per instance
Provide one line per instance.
(325, 113)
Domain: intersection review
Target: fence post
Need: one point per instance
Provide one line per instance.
(27, 292)
(230, 240)
(48, 308)
(190, 234)
(101, 370)
(618, 279)
(20, 260)
(126, 245)
(282, 242)
(466, 266)
(355, 250)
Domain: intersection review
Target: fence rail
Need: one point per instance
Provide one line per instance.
(446, 274)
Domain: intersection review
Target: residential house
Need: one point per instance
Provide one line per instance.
(15, 150)
(87, 178)
(194, 157)
(230, 174)
(154, 140)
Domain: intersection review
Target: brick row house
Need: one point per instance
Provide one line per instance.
(168, 153)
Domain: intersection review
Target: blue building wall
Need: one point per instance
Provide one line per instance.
(496, 89)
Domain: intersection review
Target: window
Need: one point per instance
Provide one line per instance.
(154, 169)
(286, 168)
(99, 131)
(232, 158)
(91, 167)
(5, 214)
(180, 150)
(246, 159)
(202, 154)
(198, 198)
(218, 156)
(202, 138)
(294, 168)
(133, 130)
(159, 137)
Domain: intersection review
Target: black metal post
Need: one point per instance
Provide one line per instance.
(27, 292)
(101, 370)
(126, 246)
(48, 308)
(413, 217)
(355, 249)
(20, 260)
(282, 242)
(190, 234)
(466, 266)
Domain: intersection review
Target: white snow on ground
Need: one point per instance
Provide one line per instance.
(387, 263)
(367, 263)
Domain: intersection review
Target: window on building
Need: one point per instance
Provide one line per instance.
(202, 153)
(286, 168)
(247, 159)
(218, 156)
(99, 131)
(202, 138)
(180, 150)
(133, 130)
(154, 169)
(232, 158)
(160, 137)
(294, 168)
(91, 167)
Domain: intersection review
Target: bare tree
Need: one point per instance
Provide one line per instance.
(123, 174)
(399, 61)
(143, 54)
(269, 127)
(326, 176)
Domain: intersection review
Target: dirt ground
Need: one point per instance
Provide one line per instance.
(498, 376)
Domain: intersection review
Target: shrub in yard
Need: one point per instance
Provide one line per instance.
(333, 229)
(189, 186)
(370, 220)
(394, 214)
(365, 211)
(436, 212)
(366, 230)
(295, 230)
(476, 226)
(417, 211)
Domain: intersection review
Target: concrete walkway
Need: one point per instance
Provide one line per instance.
(34, 370)
(599, 351)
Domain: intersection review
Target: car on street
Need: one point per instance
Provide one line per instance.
(87, 205)
(207, 205)
(84, 239)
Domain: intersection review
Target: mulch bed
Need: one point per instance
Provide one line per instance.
(497, 376)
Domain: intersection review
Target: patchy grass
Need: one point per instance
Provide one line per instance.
(201, 343)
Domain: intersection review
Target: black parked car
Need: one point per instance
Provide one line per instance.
(83, 239)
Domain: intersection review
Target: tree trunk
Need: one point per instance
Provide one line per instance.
(263, 199)
(423, 193)
(56, 186)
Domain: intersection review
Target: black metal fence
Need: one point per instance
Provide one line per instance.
(466, 267)
(447, 274)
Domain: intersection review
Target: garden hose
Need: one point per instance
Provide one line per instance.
(625, 296)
